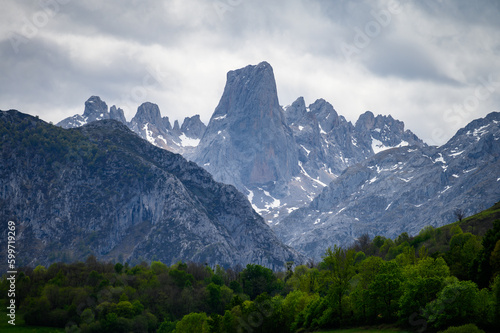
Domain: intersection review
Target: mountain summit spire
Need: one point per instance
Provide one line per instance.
(247, 142)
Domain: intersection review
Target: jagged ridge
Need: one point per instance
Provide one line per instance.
(402, 190)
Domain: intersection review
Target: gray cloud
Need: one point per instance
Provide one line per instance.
(406, 61)
(426, 58)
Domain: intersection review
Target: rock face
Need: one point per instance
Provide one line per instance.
(102, 189)
(147, 123)
(281, 159)
(328, 144)
(381, 132)
(193, 127)
(117, 114)
(247, 142)
(402, 189)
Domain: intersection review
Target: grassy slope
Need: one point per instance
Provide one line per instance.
(476, 224)
(480, 223)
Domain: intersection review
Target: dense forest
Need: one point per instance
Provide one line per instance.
(442, 277)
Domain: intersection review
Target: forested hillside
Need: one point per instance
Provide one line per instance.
(100, 189)
(440, 278)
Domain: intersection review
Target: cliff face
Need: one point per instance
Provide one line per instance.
(101, 189)
(282, 158)
(247, 142)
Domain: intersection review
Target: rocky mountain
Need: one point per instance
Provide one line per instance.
(102, 189)
(247, 142)
(402, 189)
(147, 122)
(328, 144)
(282, 158)
(95, 109)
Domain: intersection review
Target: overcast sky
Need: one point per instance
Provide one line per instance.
(432, 64)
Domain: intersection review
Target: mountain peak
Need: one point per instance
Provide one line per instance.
(296, 111)
(117, 114)
(366, 121)
(249, 128)
(95, 108)
(325, 113)
(148, 113)
(475, 130)
(193, 127)
(253, 83)
(384, 132)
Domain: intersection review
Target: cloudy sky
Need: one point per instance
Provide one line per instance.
(433, 64)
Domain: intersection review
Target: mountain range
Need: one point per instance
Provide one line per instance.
(317, 179)
(101, 189)
(279, 157)
(402, 190)
(147, 122)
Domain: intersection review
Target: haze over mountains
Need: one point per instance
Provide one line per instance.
(316, 178)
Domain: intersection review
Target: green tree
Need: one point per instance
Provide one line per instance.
(229, 321)
(339, 265)
(484, 271)
(214, 297)
(495, 259)
(304, 279)
(422, 283)
(386, 288)
(87, 316)
(124, 309)
(364, 305)
(193, 322)
(294, 303)
(316, 315)
(36, 311)
(226, 296)
(167, 326)
(137, 307)
(111, 322)
(181, 277)
(158, 267)
(118, 268)
(464, 248)
(496, 298)
(455, 304)
(402, 238)
(257, 280)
